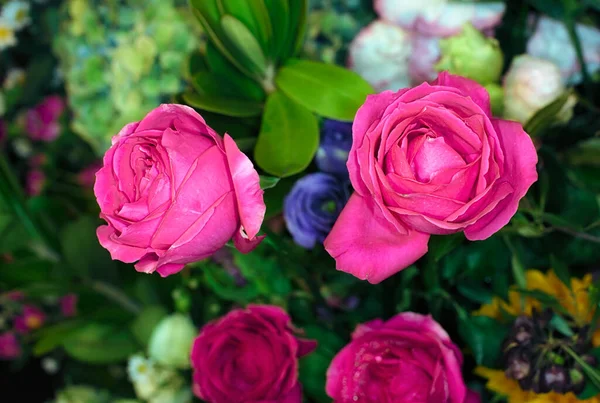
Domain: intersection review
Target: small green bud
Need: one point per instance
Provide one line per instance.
(171, 341)
(473, 55)
(496, 98)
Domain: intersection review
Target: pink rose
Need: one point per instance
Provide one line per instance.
(251, 356)
(427, 160)
(9, 346)
(32, 318)
(408, 358)
(35, 181)
(42, 122)
(173, 192)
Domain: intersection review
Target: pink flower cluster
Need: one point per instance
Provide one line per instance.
(21, 317)
(42, 123)
(401, 48)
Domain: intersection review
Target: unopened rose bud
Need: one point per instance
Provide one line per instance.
(530, 85)
(473, 55)
(171, 341)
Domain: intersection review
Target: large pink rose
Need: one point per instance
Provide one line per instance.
(173, 192)
(409, 358)
(427, 160)
(250, 356)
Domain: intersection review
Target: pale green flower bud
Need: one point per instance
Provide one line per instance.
(473, 55)
(82, 394)
(171, 341)
(496, 98)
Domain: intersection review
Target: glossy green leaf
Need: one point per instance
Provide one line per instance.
(289, 137)
(268, 182)
(222, 105)
(220, 66)
(245, 41)
(99, 343)
(224, 285)
(254, 15)
(207, 12)
(52, 337)
(298, 11)
(327, 90)
(484, 336)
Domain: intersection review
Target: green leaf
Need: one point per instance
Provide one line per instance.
(264, 272)
(245, 86)
(298, 11)
(254, 15)
(222, 105)
(328, 90)
(83, 252)
(224, 285)
(98, 343)
(561, 270)
(548, 115)
(288, 139)
(559, 324)
(440, 246)
(274, 196)
(484, 336)
(52, 337)
(26, 271)
(146, 321)
(241, 37)
(590, 389)
(268, 182)
(278, 11)
(475, 292)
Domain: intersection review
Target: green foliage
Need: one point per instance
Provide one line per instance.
(100, 343)
(288, 138)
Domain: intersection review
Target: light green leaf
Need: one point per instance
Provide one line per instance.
(50, 338)
(327, 90)
(246, 43)
(98, 343)
(222, 105)
(146, 321)
(254, 15)
(549, 115)
(288, 139)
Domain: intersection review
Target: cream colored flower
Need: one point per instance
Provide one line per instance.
(16, 13)
(7, 35)
(14, 78)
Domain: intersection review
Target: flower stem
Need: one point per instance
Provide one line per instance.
(114, 294)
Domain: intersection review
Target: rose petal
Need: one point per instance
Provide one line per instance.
(246, 183)
(470, 88)
(521, 173)
(367, 246)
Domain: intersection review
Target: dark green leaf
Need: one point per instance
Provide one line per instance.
(440, 246)
(561, 270)
(484, 336)
(548, 115)
(274, 197)
(83, 252)
(475, 292)
(288, 139)
(298, 11)
(98, 343)
(254, 15)
(144, 324)
(590, 389)
(278, 11)
(224, 285)
(327, 90)
(52, 337)
(559, 324)
(222, 105)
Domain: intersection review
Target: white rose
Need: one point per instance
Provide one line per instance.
(380, 54)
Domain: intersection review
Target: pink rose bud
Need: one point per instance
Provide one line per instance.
(427, 160)
(551, 41)
(531, 84)
(41, 122)
(10, 348)
(173, 191)
(32, 318)
(87, 177)
(380, 54)
(68, 305)
(409, 355)
(36, 180)
(249, 355)
(440, 17)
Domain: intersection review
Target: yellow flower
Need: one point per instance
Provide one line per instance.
(499, 383)
(576, 302)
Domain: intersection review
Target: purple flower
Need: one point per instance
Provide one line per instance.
(336, 141)
(312, 206)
